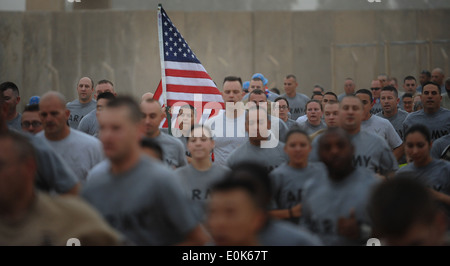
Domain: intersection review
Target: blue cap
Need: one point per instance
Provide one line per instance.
(246, 85)
(34, 100)
(261, 77)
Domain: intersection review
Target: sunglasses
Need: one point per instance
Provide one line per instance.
(375, 89)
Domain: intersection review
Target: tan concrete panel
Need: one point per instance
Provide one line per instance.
(37, 54)
(312, 36)
(222, 42)
(11, 48)
(66, 60)
(273, 47)
(45, 5)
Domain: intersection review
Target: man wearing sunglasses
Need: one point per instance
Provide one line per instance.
(432, 115)
(375, 87)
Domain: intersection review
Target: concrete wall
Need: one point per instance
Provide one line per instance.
(43, 51)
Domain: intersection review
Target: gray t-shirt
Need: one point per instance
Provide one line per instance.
(53, 174)
(174, 152)
(80, 151)
(311, 129)
(196, 185)
(271, 158)
(228, 135)
(16, 123)
(438, 123)
(439, 146)
(89, 123)
(325, 201)
(396, 121)
(436, 174)
(282, 233)
(288, 184)
(376, 108)
(297, 104)
(384, 129)
(371, 151)
(78, 111)
(290, 123)
(146, 203)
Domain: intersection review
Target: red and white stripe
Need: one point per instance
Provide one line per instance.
(189, 83)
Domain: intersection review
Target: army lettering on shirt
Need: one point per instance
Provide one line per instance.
(78, 111)
(376, 108)
(371, 151)
(325, 201)
(288, 183)
(438, 123)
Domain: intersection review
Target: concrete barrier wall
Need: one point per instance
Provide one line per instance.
(42, 51)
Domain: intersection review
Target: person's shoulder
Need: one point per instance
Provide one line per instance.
(86, 138)
(73, 103)
(302, 95)
(380, 114)
(280, 169)
(220, 167)
(183, 169)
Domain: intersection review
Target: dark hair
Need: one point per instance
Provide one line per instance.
(426, 73)
(431, 83)
(232, 78)
(331, 93)
(153, 145)
(275, 90)
(291, 76)
(319, 86)
(407, 95)
(31, 108)
(316, 93)
(203, 127)
(422, 129)
(365, 91)
(106, 95)
(9, 85)
(409, 78)
(105, 81)
(294, 130)
(252, 178)
(257, 92)
(391, 88)
(399, 203)
(282, 98)
(313, 101)
(128, 102)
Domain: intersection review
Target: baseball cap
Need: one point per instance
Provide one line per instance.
(261, 77)
(34, 100)
(246, 85)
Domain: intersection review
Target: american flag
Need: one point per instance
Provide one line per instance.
(186, 79)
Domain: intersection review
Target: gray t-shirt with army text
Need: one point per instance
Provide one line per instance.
(145, 203)
(196, 185)
(78, 111)
(326, 200)
(288, 183)
(438, 123)
(371, 151)
(297, 104)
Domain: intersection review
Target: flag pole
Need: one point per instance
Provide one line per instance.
(163, 70)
